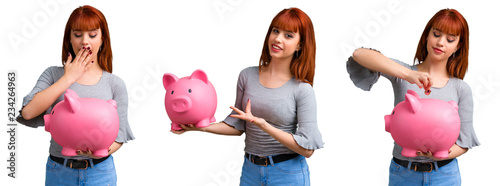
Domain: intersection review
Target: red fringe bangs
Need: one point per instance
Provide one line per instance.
(449, 24)
(85, 21)
(288, 21)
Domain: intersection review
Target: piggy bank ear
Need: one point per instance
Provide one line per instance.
(169, 79)
(71, 99)
(112, 102)
(409, 91)
(199, 74)
(414, 103)
(454, 104)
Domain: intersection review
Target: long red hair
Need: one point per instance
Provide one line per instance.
(449, 21)
(303, 62)
(86, 18)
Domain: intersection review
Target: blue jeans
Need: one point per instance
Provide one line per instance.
(291, 172)
(101, 174)
(448, 175)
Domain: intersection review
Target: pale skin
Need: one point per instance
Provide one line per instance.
(276, 74)
(431, 72)
(84, 69)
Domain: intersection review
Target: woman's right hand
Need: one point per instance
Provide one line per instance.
(185, 128)
(421, 79)
(74, 69)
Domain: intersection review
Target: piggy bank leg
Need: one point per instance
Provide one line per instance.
(409, 152)
(101, 153)
(68, 151)
(203, 123)
(441, 154)
(175, 126)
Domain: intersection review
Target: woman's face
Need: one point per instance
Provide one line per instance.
(283, 43)
(89, 39)
(440, 46)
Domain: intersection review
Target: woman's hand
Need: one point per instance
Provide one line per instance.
(88, 153)
(455, 151)
(187, 127)
(421, 79)
(284, 138)
(427, 154)
(74, 69)
(112, 149)
(247, 115)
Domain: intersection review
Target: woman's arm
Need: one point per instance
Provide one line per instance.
(455, 151)
(220, 128)
(45, 98)
(283, 137)
(375, 61)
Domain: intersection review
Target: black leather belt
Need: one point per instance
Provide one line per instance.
(422, 167)
(264, 161)
(77, 164)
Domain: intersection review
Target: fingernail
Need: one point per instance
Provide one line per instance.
(92, 61)
(88, 48)
(90, 52)
(83, 48)
(69, 54)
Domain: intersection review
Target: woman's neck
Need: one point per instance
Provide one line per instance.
(92, 75)
(279, 68)
(276, 74)
(434, 68)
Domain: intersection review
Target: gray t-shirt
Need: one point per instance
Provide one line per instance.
(290, 108)
(456, 90)
(108, 87)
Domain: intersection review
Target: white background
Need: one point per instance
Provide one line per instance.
(222, 37)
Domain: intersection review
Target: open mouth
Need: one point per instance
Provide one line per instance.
(276, 47)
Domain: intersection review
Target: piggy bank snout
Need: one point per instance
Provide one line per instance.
(181, 104)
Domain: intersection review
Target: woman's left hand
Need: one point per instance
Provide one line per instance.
(87, 153)
(428, 154)
(247, 115)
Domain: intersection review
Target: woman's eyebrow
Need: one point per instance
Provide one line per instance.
(442, 31)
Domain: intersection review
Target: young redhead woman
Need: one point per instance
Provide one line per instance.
(87, 66)
(443, 59)
(280, 124)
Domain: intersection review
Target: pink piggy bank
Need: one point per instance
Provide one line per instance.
(83, 124)
(424, 125)
(190, 100)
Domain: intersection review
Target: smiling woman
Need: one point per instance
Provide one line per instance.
(297, 23)
(280, 120)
